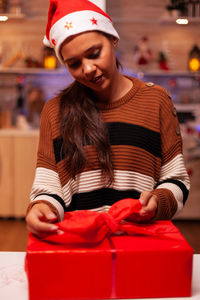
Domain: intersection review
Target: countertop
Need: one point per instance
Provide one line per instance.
(19, 132)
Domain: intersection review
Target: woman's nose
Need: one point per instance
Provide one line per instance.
(88, 68)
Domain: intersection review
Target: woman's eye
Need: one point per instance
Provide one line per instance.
(74, 65)
(95, 54)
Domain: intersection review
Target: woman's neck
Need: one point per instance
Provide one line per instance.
(119, 86)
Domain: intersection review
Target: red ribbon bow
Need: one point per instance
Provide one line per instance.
(89, 227)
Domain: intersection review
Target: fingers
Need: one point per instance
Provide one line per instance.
(45, 213)
(144, 197)
(38, 231)
(149, 202)
(39, 220)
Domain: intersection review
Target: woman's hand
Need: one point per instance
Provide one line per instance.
(149, 203)
(39, 220)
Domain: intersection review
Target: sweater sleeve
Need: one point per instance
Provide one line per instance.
(46, 186)
(173, 185)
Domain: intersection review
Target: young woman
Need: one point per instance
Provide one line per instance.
(107, 136)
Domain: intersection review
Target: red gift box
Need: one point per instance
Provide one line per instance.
(153, 261)
(153, 268)
(56, 272)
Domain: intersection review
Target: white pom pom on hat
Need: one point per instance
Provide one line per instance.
(70, 17)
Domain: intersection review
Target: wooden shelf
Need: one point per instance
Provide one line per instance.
(178, 73)
(17, 16)
(36, 71)
(168, 20)
(64, 71)
(172, 20)
(184, 107)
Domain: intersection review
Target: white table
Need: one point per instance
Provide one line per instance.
(13, 281)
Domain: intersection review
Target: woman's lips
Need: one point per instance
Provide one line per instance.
(97, 80)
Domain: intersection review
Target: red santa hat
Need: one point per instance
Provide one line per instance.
(70, 17)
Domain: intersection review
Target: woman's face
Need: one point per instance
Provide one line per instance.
(90, 58)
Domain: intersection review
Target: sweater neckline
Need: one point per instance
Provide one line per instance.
(136, 84)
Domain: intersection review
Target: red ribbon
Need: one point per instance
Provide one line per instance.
(86, 227)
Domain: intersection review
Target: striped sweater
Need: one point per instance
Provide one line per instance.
(146, 150)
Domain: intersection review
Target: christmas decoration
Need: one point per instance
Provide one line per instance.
(162, 60)
(194, 59)
(49, 59)
(142, 52)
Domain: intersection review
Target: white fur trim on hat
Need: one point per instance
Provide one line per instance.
(46, 42)
(78, 22)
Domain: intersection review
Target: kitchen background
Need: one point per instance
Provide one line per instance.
(153, 47)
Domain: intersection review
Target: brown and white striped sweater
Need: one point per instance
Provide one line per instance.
(146, 150)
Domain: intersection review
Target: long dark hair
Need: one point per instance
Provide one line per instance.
(82, 125)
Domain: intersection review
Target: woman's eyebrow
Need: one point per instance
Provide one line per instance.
(85, 52)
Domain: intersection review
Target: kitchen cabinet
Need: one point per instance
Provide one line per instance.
(18, 151)
(6, 175)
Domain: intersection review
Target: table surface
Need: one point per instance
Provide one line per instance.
(13, 281)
